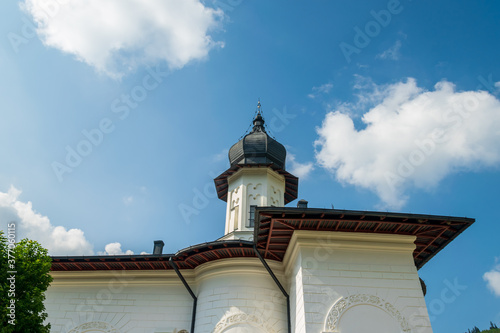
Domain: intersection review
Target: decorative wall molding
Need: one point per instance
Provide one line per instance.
(252, 186)
(343, 304)
(254, 196)
(254, 191)
(94, 325)
(276, 197)
(242, 318)
(275, 191)
(104, 327)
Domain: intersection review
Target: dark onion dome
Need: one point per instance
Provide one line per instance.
(257, 147)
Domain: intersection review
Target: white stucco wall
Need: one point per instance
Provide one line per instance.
(332, 273)
(333, 278)
(297, 295)
(128, 301)
(239, 293)
(233, 294)
(259, 186)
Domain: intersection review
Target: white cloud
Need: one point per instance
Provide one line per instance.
(30, 224)
(391, 53)
(411, 137)
(493, 279)
(300, 170)
(115, 249)
(323, 89)
(116, 36)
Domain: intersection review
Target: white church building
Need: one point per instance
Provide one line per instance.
(276, 269)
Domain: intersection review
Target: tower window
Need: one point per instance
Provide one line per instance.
(251, 218)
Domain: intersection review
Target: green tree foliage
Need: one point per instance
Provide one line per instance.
(493, 329)
(31, 264)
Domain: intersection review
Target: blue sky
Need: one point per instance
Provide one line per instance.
(382, 105)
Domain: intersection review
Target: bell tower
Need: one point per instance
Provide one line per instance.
(256, 178)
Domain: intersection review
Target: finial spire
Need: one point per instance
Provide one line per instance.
(258, 122)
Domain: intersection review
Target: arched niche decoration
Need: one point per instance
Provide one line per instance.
(94, 327)
(236, 320)
(342, 305)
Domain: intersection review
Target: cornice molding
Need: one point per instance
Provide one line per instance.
(345, 241)
(131, 277)
(236, 266)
